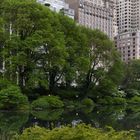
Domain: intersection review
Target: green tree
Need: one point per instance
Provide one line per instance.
(43, 49)
(104, 61)
(132, 75)
(34, 50)
(12, 98)
(76, 43)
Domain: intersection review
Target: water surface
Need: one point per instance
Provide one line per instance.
(118, 117)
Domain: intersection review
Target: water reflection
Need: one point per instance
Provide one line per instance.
(119, 117)
(11, 123)
(48, 118)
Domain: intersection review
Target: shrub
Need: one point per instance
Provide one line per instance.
(4, 84)
(134, 100)
(112, 100)
(12, 98)
(80, 132)
(47, 102)
(88, 102)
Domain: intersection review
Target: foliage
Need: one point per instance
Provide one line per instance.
(12, 98)
(85, 105)
(68, 93)
(73, 104)
(133, 107)
(112, 100)
(134, 100)
(47, 102)
(4, 84)
(131, 93)
(87, 102)
(80, 132)
(11, 123)
(105, 88)
(41, 49)
(132, 75)
(103, 62)
(35, 46)
(76, 43)
(120, 93)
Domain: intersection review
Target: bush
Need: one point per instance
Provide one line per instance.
(12, 98)
(88, 102)
(80, 132)
(134, 100)
(47, 102)
(4, 84)
(112, 101)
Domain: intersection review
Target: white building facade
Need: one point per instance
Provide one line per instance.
(57, 6)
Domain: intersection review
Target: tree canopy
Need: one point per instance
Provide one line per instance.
(42, 49)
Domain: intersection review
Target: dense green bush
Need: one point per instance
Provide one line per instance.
(134, 100)
(12, 98)
(112, 100)
(45, 102)
(80, 132)
(87, 102)
(4, 84)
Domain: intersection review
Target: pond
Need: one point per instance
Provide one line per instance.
(118, 117)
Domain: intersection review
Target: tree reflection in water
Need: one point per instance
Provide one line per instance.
(48, 118)
(118, 117)
(11, 123)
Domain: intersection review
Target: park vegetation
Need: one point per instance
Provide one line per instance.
(49, 60)
(80, 132)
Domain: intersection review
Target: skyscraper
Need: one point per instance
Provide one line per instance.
(95, 14)
(128, 22)
(115, 27)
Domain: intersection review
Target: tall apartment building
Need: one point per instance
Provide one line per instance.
(115, 27)
(128, 21)
(57, 6)
(95, 14)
